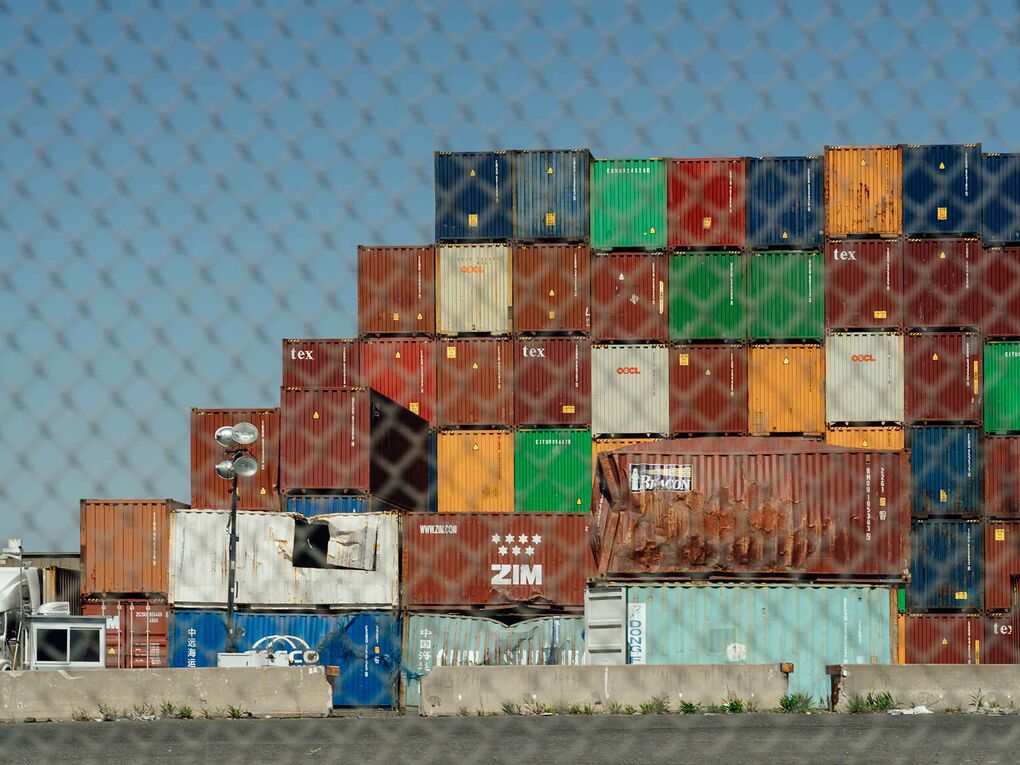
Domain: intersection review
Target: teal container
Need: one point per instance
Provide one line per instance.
(786, 296)
(811, 626)
(552, 471)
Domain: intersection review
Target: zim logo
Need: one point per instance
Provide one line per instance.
(516, 546)
(628, 371)
(862, 357)
(472, 269)
(516, 573)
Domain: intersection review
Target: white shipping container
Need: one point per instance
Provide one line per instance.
(864, 377)
(359, 567)
(474, 292)
(630, 390)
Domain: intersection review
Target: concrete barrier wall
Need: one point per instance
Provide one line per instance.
(937, 686)
(63, 695)
(448, 690)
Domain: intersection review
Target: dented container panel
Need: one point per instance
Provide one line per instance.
(706, 202)
(333, 363)
(864, 377)
(474, 382)
(1002, 563)
(403, 369)
(474, 291)
(784, 202)
(786, 389)
(943, 375)
(864, 284)
(708, 389)
(630, 389)
(629, 297)
(259, 492)
(552, 381)
(551, 195)
(945, 565)
(396, 290)
(863, 191)
(475, 471)
(474, 195)
(942, 189)
(628, 204)
(552, 288)
(944, 283)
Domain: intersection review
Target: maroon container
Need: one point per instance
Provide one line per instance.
(1002, 563)
(552, 288)
(706, 202)
(629, 297)
(396, 290)
(321, 363)
(404, 370)
(1001, 272)
(136, 632)
(552, 381)
(208, 490)
(474, 380)
(943, 377)
(708, 389)
(863, 284)
(942, 638)
(1002, 476)
(1002, 639)
(943, 283)
(496, 560)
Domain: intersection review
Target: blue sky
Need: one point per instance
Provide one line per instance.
(184, 184)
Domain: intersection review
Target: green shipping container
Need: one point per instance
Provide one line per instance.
(786, 296)
(552, 471)
(628, 204)
(706, 296)
(1002, 387)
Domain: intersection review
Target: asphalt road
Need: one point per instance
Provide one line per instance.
(706, 740)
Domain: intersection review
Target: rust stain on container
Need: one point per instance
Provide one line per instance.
(333, 363)
(629, 297)
(262, 490)
(1002, 563)
(706, 202)
(603, 445)
(396, 290)
(943, 377)
(1002, 476)
(863, 191)
(944, 283)
(708, 389)
(552, 381)
(1001, 291)
(474, 382)
(943, 639)
(403, 369)
(863, 284)
(786, 389)
(866, 438)
(552, 288)
(476, 471)
(136, 632)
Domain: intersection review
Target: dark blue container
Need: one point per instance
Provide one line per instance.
(364, 645)
(942, 189)
(945, 565)
(945, 470)
(325, 504)
(474, 196)
(784, 201)
(1001, 189)
(551, 195)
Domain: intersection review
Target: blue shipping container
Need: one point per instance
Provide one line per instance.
(313, 504)
(784, 201)
(474, 196)
(945, 470)
(551, 195)
(364, 645)
(945, 565)
(942, 189)
(1001, 190)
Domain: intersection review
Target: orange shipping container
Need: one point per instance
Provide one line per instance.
(866, 438)
(476, 471)
(601, 445)
(863, 190)
(786, 389)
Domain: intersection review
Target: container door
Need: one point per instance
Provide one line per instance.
(605, 626)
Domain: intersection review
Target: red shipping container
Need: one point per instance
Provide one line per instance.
(943, 639)
(1002, 639)
(552, 288)
(321, 363)
(863, 284)
(474, 382)
(496, 560)
(208, 490)
(1002, 563)
(943, 283)
(404, 370)
(1001, 288)
(396, 290)
(125, 546)
(1002, 476)
(552, 381)
(706, 202)
(708, 389)
(136, 632)
(629, 297)
(353, 440)
(942, 377)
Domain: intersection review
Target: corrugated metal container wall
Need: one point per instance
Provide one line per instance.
(552, 288)
(942, 189)
(551, 195)
(864, 284)
(474, 292)
(945, 470)
(811, 626)
(475, 471)
(474, 196)
(474, 382)
(125, 546)
(863, 190)
(494, 560)
(552, 381)
(942, 639)
(262, 490)
(365, 647)
(943, 377)
(786, 296)
(864, 378)
(1001, 281)
(1002, 387)
(628, 204)
(1002, 476)
(552, 471)
(866, 438)
(706, 202)
(628, 295)
(944, 283)
(136, 632)
(707, 296)
(396, 290)
(630, 390)
(1002, 639)
(403, 370)
(945, 565)
(329, 504)
(1002, 563)
(334, 363)
(786, 389)
(443, 640)
(1001, 190)
(708, 389)
(784, 201)
(602, 445)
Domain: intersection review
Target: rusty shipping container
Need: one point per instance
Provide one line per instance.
(786, 389)
(630, 390)
(396, 290)
(943, 283)
(732, 507)
(125, 546)
(942, 639)
(1002, 476)
(863, 191)
(474, 382)
(473, 289)
(136, 632)
(262, 490)
(1002, 638)
(705, 202)
(863, 284)
(552, 381)
(496, 561)
(602, 445)
(943, 377)
(864, 378)
(628, 294)
(1002, 563)
(1001, 290)
(353, 440)
(333, 363)
(708, 389)
(888, 437)
(552, 288)
(404, 370)
(475, 471)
